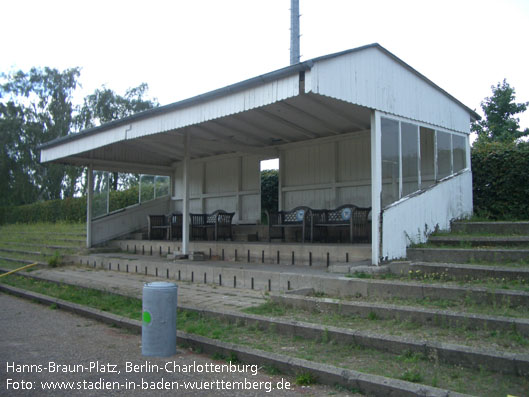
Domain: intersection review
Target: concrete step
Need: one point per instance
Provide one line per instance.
(57, 247)
(25, 252)
(507, 228)
(497, 361)
(421, 315)
(285, 278)
(316, 254)
(366, 383)
(464, 272)
(21, 261)
(480, 241)
(464, 255)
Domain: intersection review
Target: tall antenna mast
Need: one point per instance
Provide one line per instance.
(294, 32)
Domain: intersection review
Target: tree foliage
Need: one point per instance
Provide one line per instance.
(269, 190)
(500, 180)
(103, 106)
(499, 124)
(36, 107)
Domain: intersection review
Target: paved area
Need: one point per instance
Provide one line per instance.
(42, 349)
(264, 267)
(189, 294)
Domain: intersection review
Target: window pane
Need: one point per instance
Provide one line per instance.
(390, 161)
(410, 172)
(460, 153)
(161, 185)
(146, 188)
(427, 157)
(444, 154)
(100, 200)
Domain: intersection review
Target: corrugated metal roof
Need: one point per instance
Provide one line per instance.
(255, 81)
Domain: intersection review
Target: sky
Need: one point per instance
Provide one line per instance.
(185, 48)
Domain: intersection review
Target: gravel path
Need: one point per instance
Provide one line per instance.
(39, 344)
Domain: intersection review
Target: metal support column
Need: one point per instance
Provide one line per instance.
(376, 186)
(89, 199)
(185, 191)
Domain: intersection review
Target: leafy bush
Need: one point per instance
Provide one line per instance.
(501, 180)
(269, 191)
(69, 209)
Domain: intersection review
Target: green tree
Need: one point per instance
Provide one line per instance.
(499, 124)
(35, 107)
(104, 106)
(269, 190)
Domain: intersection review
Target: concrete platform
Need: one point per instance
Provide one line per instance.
(257, 252)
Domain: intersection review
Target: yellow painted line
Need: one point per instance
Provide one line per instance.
(16, 270)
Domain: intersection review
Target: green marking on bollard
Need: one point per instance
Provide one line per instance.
(146, 317)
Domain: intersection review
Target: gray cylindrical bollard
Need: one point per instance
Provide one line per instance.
(158, 332)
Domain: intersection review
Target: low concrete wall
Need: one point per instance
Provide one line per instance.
(492, 227)
(420, 315)
(461, 271)
(130, 220)
(325, 374)
(272, 280)
(412, 219)
(463, 255)
(305, 254)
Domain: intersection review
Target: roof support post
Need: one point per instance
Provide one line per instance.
(376, 186)
(89, 199)
(185, 191)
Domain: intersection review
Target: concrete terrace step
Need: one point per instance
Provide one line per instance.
(327, 374)
(466, 255)
(421, 315)
(480, 240)
(38, 237)
(508, 228)
(509, 363)
(58, 247)
(284, 278)
(41, 233)
(463, 272)
(257, 252)
(22, 261)
(17, 251)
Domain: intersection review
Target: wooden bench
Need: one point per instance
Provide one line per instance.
(219, 221)
(164, 227)
(297, 218)
(349, 216)
(176, 225)
(158, 227)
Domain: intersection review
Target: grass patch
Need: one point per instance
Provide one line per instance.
(268, 308)
(305, 379)
(410, 365)
(123, 306)
(412, 375)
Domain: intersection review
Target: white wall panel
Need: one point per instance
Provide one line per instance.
(220, 188)
(316, 198)
(251, 177)
(128, 221)
(327, 173)
(412, 219)
(249, 203)
(357, 195)
(221, 175)
(354, 156)
(373, 79)
(308, 165)
(228, 204)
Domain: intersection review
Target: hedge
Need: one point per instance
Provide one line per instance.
(501, 181)
(66, 210)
